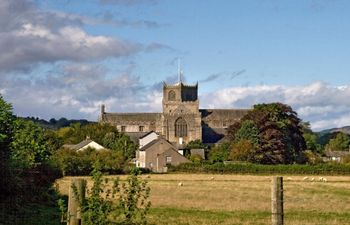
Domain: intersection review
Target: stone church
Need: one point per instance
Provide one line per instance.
(181, 120)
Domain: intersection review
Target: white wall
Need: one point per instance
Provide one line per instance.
(145, 140)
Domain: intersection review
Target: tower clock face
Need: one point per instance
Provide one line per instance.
(171, 95)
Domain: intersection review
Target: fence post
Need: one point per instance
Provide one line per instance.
(76, 194)
(277, 200)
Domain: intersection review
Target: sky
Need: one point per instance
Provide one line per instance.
(64, 58)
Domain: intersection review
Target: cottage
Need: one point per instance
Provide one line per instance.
(87, 143)
(157, 155)
(336, 156)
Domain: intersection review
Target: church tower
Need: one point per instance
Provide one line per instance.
(181, 118)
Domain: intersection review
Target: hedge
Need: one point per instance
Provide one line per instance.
(247, 168)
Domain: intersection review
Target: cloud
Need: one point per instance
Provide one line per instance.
(29, 36)
(325, 106)
(77, 90)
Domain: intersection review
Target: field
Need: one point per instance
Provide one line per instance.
(242, 199)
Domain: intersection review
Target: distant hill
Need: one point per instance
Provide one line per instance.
(345, 129)
(56, 124)
(325, 135)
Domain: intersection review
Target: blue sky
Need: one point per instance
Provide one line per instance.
(65, 58)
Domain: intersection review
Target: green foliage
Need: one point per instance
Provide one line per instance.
(279, 130)
(72, 162)
(248, 131)
(6, 135)
(95, 207)
(311, 139)
(30, 145)
(195, 144)
(339, 143)
(126, 202)
(248, 168)
(195, 158)
(312, 157)
(243, 150)
(219, 153)
(133, 200)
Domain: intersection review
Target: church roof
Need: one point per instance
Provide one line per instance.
(131, 116)
(212, 114)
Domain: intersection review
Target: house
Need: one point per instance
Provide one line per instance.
(336, 156)
(158, 154)
(87, 143)
(147, 138)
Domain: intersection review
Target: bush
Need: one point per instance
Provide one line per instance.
(73, 163)
(249, 168)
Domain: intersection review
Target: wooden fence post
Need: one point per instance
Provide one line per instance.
(277, 200)
(76, 195)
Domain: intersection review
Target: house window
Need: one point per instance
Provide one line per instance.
(141, 128)
(168, 159)
(123, 128)
(180, 127)
(171, 95)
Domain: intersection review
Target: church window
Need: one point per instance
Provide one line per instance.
(168, 159)
(171, 95)
(180, 127)
(123, 128)
(141, 128)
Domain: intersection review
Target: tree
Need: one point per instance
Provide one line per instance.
(30, 145)
(195, 144)
(243, 150)
(279, 139)
(6, 132)
(219, 153)
(339, 143)
(311, 139)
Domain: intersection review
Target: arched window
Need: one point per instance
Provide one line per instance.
(171, 95)
(180, 127)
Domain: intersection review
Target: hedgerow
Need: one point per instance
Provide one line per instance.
(248, 168)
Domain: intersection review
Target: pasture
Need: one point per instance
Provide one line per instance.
(242, 199)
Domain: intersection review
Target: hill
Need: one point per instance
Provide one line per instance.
(56, 124)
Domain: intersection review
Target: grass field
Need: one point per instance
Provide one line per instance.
(242, 199)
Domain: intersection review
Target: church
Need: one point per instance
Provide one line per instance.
(181, 120)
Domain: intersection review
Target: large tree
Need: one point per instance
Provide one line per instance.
(339, 143)
(275, 131)
(6, 131)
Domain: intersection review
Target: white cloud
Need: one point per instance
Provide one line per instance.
(29, 36)
(325, 106)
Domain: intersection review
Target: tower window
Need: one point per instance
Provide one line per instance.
(180, 127)
(141, 128)
(171, 95)
(123, 128)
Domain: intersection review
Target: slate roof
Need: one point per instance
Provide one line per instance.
(220, 114)
(337, 153)
(153, 142)
(79, 145)
(131, 116)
